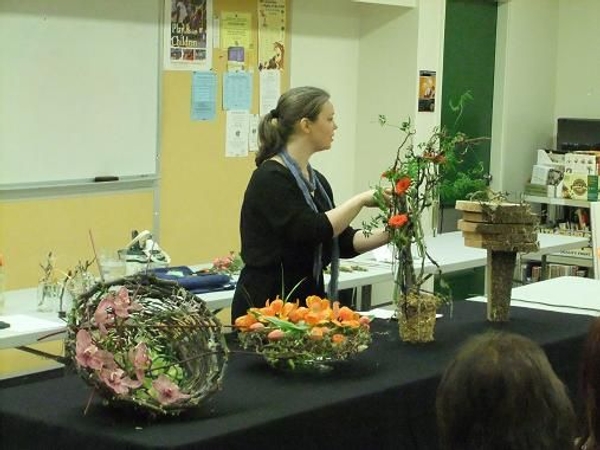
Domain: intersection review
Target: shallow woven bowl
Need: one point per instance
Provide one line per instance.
(184, 339)
(304, 354)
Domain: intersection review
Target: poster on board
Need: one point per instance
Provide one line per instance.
(188, 35)
(271, 34)
(427, 90)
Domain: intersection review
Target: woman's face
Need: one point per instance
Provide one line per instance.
(323, 128)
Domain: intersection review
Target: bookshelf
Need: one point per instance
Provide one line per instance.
(568, 217)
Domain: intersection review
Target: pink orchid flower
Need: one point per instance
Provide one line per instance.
(118, 381)
(105, 313)
(89, 355)
(85, 351)
(140, 359)
(167, 391)
(123, 304)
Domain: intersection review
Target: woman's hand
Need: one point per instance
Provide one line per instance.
(369, 197)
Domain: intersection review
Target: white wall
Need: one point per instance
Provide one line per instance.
(367, 56)
(524, 89)
(324, 53)
(578, 60)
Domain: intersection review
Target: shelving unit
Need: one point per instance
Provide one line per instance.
(568, 263)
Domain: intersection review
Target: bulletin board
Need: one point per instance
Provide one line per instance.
(201, 187)
(79, 89)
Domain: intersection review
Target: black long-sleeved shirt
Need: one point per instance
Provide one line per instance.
(280, 233)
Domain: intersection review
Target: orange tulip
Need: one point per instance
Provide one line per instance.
(351, 323)
(298, 314)
(244, 322)
(267, 311)
(316, 333)
(288, 307)
(338, 338)
(346, 313)
(276, 305)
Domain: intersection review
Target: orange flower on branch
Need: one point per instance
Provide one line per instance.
(398, 221)
(402, 185)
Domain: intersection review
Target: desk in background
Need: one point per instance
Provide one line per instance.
(574, 295)
(384, 398)
(446, 249)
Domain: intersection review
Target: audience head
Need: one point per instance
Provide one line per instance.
(590, 386)
(501, 393)
(278, 125)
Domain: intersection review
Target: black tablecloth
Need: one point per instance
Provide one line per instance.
(384, 398)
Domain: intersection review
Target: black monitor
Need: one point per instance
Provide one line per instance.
(578, 134)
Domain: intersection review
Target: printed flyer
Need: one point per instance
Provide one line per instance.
(271, 34)
(188, 34)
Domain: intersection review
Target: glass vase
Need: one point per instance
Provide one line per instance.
(48, 296)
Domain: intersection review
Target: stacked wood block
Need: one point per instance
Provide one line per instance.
(503, 229)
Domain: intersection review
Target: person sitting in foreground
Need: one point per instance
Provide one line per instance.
(501, 393)
(590, 389)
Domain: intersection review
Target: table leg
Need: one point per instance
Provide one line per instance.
(365, 297)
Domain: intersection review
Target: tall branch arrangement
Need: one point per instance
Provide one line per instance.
(414, 180)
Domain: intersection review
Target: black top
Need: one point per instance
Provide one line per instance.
(280, 234)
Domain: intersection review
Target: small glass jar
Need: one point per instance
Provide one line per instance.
(48, 296)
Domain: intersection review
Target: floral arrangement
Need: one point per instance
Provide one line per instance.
(80, 279)
(414, 179)
(292, 336)
(49, 285)
(230, 264)
(146, 343)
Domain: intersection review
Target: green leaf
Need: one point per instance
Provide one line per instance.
(285, 325)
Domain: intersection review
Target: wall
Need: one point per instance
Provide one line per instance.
(324, 53)
(31, 228)
(578, 60)
(524, 95)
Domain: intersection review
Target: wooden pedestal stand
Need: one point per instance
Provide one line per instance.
(503, 229)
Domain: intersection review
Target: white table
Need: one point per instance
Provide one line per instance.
(446, 249)
(449, 251)
(572, 295)
(26, 324)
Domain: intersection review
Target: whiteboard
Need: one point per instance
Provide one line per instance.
(79, 89)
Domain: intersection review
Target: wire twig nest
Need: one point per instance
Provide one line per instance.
(147, 343)
(306, 338)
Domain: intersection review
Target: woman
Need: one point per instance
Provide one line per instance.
(590, 389)
(501, 393)
(290, 227)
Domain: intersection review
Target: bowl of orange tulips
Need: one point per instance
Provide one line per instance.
(310, 337)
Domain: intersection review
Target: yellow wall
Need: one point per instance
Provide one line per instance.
(200, 194)
(29, 229)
